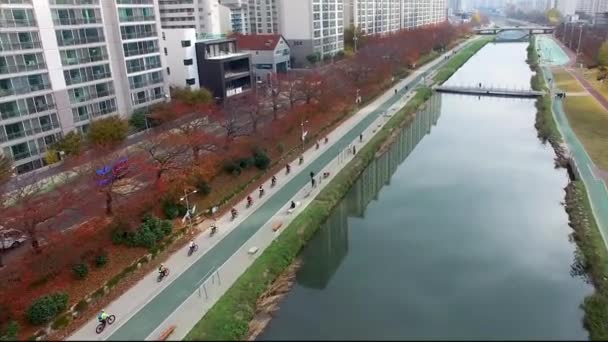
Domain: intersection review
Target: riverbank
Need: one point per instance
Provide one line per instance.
(230, 317)
(591, 259)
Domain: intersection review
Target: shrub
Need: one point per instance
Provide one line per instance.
(10, 332)
(151, 231)
(80, 270)
(51, 156)
(61, 322)
(101, 259)
(120, 229)
(245, 162)
(202, 186)
(139, 120)
(45, 308)
(81, 306)
(173, 209)
(261, 160)
(109, 131)
(232, 168)
(71, 143)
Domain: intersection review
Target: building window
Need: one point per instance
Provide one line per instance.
(188, 61)
(168, 71)
(185, 43)
(190, 81)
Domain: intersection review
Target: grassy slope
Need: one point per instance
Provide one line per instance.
(590, 123)
(565, 81)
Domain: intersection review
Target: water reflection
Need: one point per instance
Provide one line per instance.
(330, 245)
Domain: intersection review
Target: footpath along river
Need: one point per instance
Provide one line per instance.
(457, 232)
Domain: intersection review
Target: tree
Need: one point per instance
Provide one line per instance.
(228, 119)
(166, 154)
(193, 96)
(313, 58)
(108, 132)
(6, 168)
(349, 35)
(602, 55)
(139, 120)
(255, 107)
(476, 19)
(553, 16)
(71, 143)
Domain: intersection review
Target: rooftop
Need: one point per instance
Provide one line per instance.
(258, 42)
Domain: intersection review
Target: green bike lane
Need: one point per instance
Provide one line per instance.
(154, 312)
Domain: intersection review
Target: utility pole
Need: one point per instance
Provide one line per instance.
(355, 38)
(580, 37)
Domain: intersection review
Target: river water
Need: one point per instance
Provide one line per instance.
(457, 232)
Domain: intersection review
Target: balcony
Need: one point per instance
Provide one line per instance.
(25, 154)
(16, 23)
(29, 132)
(76, 21)
(81, 79)
(83, 60)
(24, 90)
(137, 52)
(143, 67)
(137, 35)
(81, 40)
(133, 18)
(11, 69)
(142, 100)
(20, 46)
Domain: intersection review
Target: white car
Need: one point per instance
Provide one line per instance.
(11, 238)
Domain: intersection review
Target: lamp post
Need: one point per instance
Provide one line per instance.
(303, 133)
(188, 212)
(355, 39)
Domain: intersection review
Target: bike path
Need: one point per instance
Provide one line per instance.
(150, 316)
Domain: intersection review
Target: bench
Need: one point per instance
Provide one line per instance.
(165, 334)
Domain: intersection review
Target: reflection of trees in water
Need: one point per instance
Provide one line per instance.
(325, 252)
(579, 267)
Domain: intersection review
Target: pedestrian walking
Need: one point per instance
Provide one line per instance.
(354, 150)
(395, 91)
(313, 182)
(312, 174)
(317, 146)
(361, 137)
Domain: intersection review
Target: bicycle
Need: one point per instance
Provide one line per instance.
(102, 324)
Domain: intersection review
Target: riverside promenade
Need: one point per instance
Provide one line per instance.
(197, 282)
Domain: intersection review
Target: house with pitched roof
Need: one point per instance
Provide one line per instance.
(270, 53)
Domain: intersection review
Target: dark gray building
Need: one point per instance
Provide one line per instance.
(222, 69)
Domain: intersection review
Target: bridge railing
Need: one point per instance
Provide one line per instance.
(491, 87)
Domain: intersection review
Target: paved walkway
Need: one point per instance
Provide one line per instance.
(596, 188)
(196, 283)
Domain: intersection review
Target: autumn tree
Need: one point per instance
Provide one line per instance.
(229, 117)
(602, 55)
(6, 168)
(71, 143)
(553, 16)
(108, 132)
(192, 96)
(165, 154)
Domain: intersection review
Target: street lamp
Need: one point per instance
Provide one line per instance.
(303, 133)
(355, 39)
(580, 38)
(189, 212)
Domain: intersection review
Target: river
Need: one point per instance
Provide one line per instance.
(457, 232)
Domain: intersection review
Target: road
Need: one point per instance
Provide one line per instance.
(144, 308)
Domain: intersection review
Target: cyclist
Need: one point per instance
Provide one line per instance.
(161, 269)
(102, 316)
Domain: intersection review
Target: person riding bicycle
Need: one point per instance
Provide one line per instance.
(249, 200)
(102, 316)
(234, 212)
(273, 180)
(162, 269)
(192, 245)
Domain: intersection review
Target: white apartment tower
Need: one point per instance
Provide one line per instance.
(416, 13)
(373, 16)
(312, 27)
(591, 7)
(202, 15)
(66, 62)
(239, 15)
(253, 16)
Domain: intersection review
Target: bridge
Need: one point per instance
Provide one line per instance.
(489, 91)
(531, 29)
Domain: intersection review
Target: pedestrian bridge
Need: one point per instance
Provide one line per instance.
(488, 91)
(530, 29)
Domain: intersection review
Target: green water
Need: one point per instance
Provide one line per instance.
(457, 232)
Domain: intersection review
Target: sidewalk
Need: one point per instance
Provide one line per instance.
(196, 283)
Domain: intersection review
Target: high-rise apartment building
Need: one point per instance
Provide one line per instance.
(203, 15)
(566, 7)
(312, 27)
(373, 16)
(239, 15)
(65, 62)
(253, 16)
(415, 13)
(592, 7)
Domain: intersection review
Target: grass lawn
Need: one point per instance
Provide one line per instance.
(590, 123)
(591, 76)
(567, 82)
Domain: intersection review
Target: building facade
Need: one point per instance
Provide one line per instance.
(205, 16)
(312, 28)
(566, 7)
(592, 7)
(64, 63)
(373, 16)
(270, 53)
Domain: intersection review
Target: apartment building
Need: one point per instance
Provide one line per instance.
(239, 15)
(312, 27)
(566, 7)
(206, 16)
(373, 16)
(64, 63)
(592, 7)
(416, 13)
